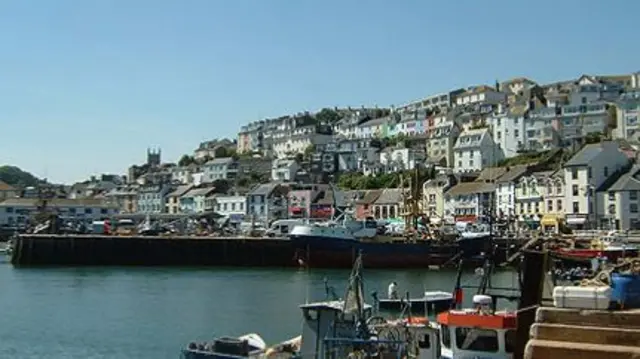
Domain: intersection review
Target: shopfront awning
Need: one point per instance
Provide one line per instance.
(551, 219)
(576, 220)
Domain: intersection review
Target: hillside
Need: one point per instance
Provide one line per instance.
(16, 177)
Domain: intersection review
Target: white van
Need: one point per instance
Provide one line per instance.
(283, 227)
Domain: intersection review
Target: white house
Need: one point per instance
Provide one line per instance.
(234, 206)
(628, 126)
(400, 159)
(194, 200)
(466, 201)
(18, 211)
(284, 169)
(622, 201)
(220, 169)
(480, 95)
(506, 190)
(508, 129)
(184, 174)
(475, 150)
(584, 173)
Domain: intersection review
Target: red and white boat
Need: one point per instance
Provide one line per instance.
(478, 332)
(610, 246)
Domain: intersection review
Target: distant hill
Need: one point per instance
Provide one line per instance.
(16, 177)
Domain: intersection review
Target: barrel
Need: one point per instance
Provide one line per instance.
(626, 290)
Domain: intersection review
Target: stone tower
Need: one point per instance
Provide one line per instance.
(153, 157)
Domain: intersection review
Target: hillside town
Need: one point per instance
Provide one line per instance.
(539, 156)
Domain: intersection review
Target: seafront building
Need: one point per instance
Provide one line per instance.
(473, 138)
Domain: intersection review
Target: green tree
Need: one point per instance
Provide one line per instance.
(16, 177)
(221, 152)
(221, 186)
(185, 160)
(327, 115)
(309, 151)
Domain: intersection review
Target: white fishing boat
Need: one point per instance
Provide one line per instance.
(250, 346)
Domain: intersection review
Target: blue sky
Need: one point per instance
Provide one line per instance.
(87, 86)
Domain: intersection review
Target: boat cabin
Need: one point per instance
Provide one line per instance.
(324, 320)
(477, 332)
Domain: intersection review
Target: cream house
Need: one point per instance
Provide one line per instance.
(554, 200)
(433, 196)
(529, 203)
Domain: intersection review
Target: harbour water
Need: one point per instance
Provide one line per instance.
(142, 313)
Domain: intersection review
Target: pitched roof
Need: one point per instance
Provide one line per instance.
(180, 190)
(220, 161)
(370, 196)
(628, 181)
(465, 188)
(389, 196)
(491, 174)
(264, 189)
(585, 155)
(5, 187)
(198, 192)
(512, 173)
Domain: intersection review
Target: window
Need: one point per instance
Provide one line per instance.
(574, 174)
(103, 211)
(584, 100)
(559, 205)
(633, 195)
(589, 172)
(509, 340)
(483, 340)
(445, 332)
(576, 207)
(9, 209)
(633, 208)
(612, 196)
(550, 205)
(425, 343)
(606, 171)
(87, 211)
(516, 133)
(574, 189)
(470, 163)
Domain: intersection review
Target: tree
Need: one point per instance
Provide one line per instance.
(221, 186)
(16, 177)
(221, 152)
(328, 116)
(185, 160)
(309, 151)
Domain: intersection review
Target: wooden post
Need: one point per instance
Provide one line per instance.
(533, 274)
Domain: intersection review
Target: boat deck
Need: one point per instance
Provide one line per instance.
(584, 334)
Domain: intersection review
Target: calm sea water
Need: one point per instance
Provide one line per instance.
(152, 312)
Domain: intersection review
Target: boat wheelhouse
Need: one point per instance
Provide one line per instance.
(477, 333)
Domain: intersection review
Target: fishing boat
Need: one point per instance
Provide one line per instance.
(432, 302)
(610, 246)
(250, 346)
